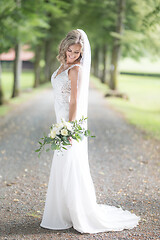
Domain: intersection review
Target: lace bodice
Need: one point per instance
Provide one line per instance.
(62, 89)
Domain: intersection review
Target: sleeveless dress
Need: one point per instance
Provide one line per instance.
(71, 198)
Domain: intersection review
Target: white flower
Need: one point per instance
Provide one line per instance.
(52, 133)
(57, 131)
(64, 132)
(57, 127)
(68, 126)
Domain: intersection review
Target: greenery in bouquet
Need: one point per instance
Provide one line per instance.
(61, 133)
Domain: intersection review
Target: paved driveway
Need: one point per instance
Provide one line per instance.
(123, 164)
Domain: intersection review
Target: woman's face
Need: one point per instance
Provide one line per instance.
(73, 52)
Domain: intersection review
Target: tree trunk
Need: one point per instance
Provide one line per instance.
(96, 62)
(1, 92)
(117, 45)
(104, 72)
(17, 71)
(37, 68)
(114, 67)
(47, 68)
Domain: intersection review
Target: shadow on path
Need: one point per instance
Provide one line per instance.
(29, 227)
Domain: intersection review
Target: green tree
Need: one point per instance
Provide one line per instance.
(57, 13)
(6, 32)
(33, 21)
(98, 20)
(117, 44)
(19, 24)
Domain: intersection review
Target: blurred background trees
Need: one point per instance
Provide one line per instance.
(116, 29)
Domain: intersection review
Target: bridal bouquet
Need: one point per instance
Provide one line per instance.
(61, 133)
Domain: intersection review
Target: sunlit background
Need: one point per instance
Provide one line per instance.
(123, 114)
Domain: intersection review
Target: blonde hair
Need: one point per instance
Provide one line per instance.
(73, 37)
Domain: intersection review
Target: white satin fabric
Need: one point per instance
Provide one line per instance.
(71, 198)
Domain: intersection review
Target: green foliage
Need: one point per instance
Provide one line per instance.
(59, 141)
(141, 31)
(22, 22)
(45, 23)
(152, 16)
(7, 24)
(98, 20)
(34, 21)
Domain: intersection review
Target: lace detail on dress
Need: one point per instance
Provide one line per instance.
(62, 89)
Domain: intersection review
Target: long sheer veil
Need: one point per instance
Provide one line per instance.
(82, 109)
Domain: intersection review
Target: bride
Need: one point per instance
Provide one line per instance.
(71, 198)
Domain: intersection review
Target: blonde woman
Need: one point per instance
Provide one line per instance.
(71, 198)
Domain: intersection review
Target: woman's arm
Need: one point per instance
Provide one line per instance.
(73, 76)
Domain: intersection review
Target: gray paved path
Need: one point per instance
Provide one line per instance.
(123, 162)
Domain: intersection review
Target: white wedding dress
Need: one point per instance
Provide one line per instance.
(71, 198)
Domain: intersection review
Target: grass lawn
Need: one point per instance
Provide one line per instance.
(27, 80)
(143, 107)
(144, 65)
(7, 82)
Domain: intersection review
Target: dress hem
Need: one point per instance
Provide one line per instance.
(98, 231)
(56, 228)
(110, 229)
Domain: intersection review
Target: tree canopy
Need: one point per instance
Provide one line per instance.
(43, 23)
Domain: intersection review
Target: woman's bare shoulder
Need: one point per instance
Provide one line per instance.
(75, 68)
(73, 72)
